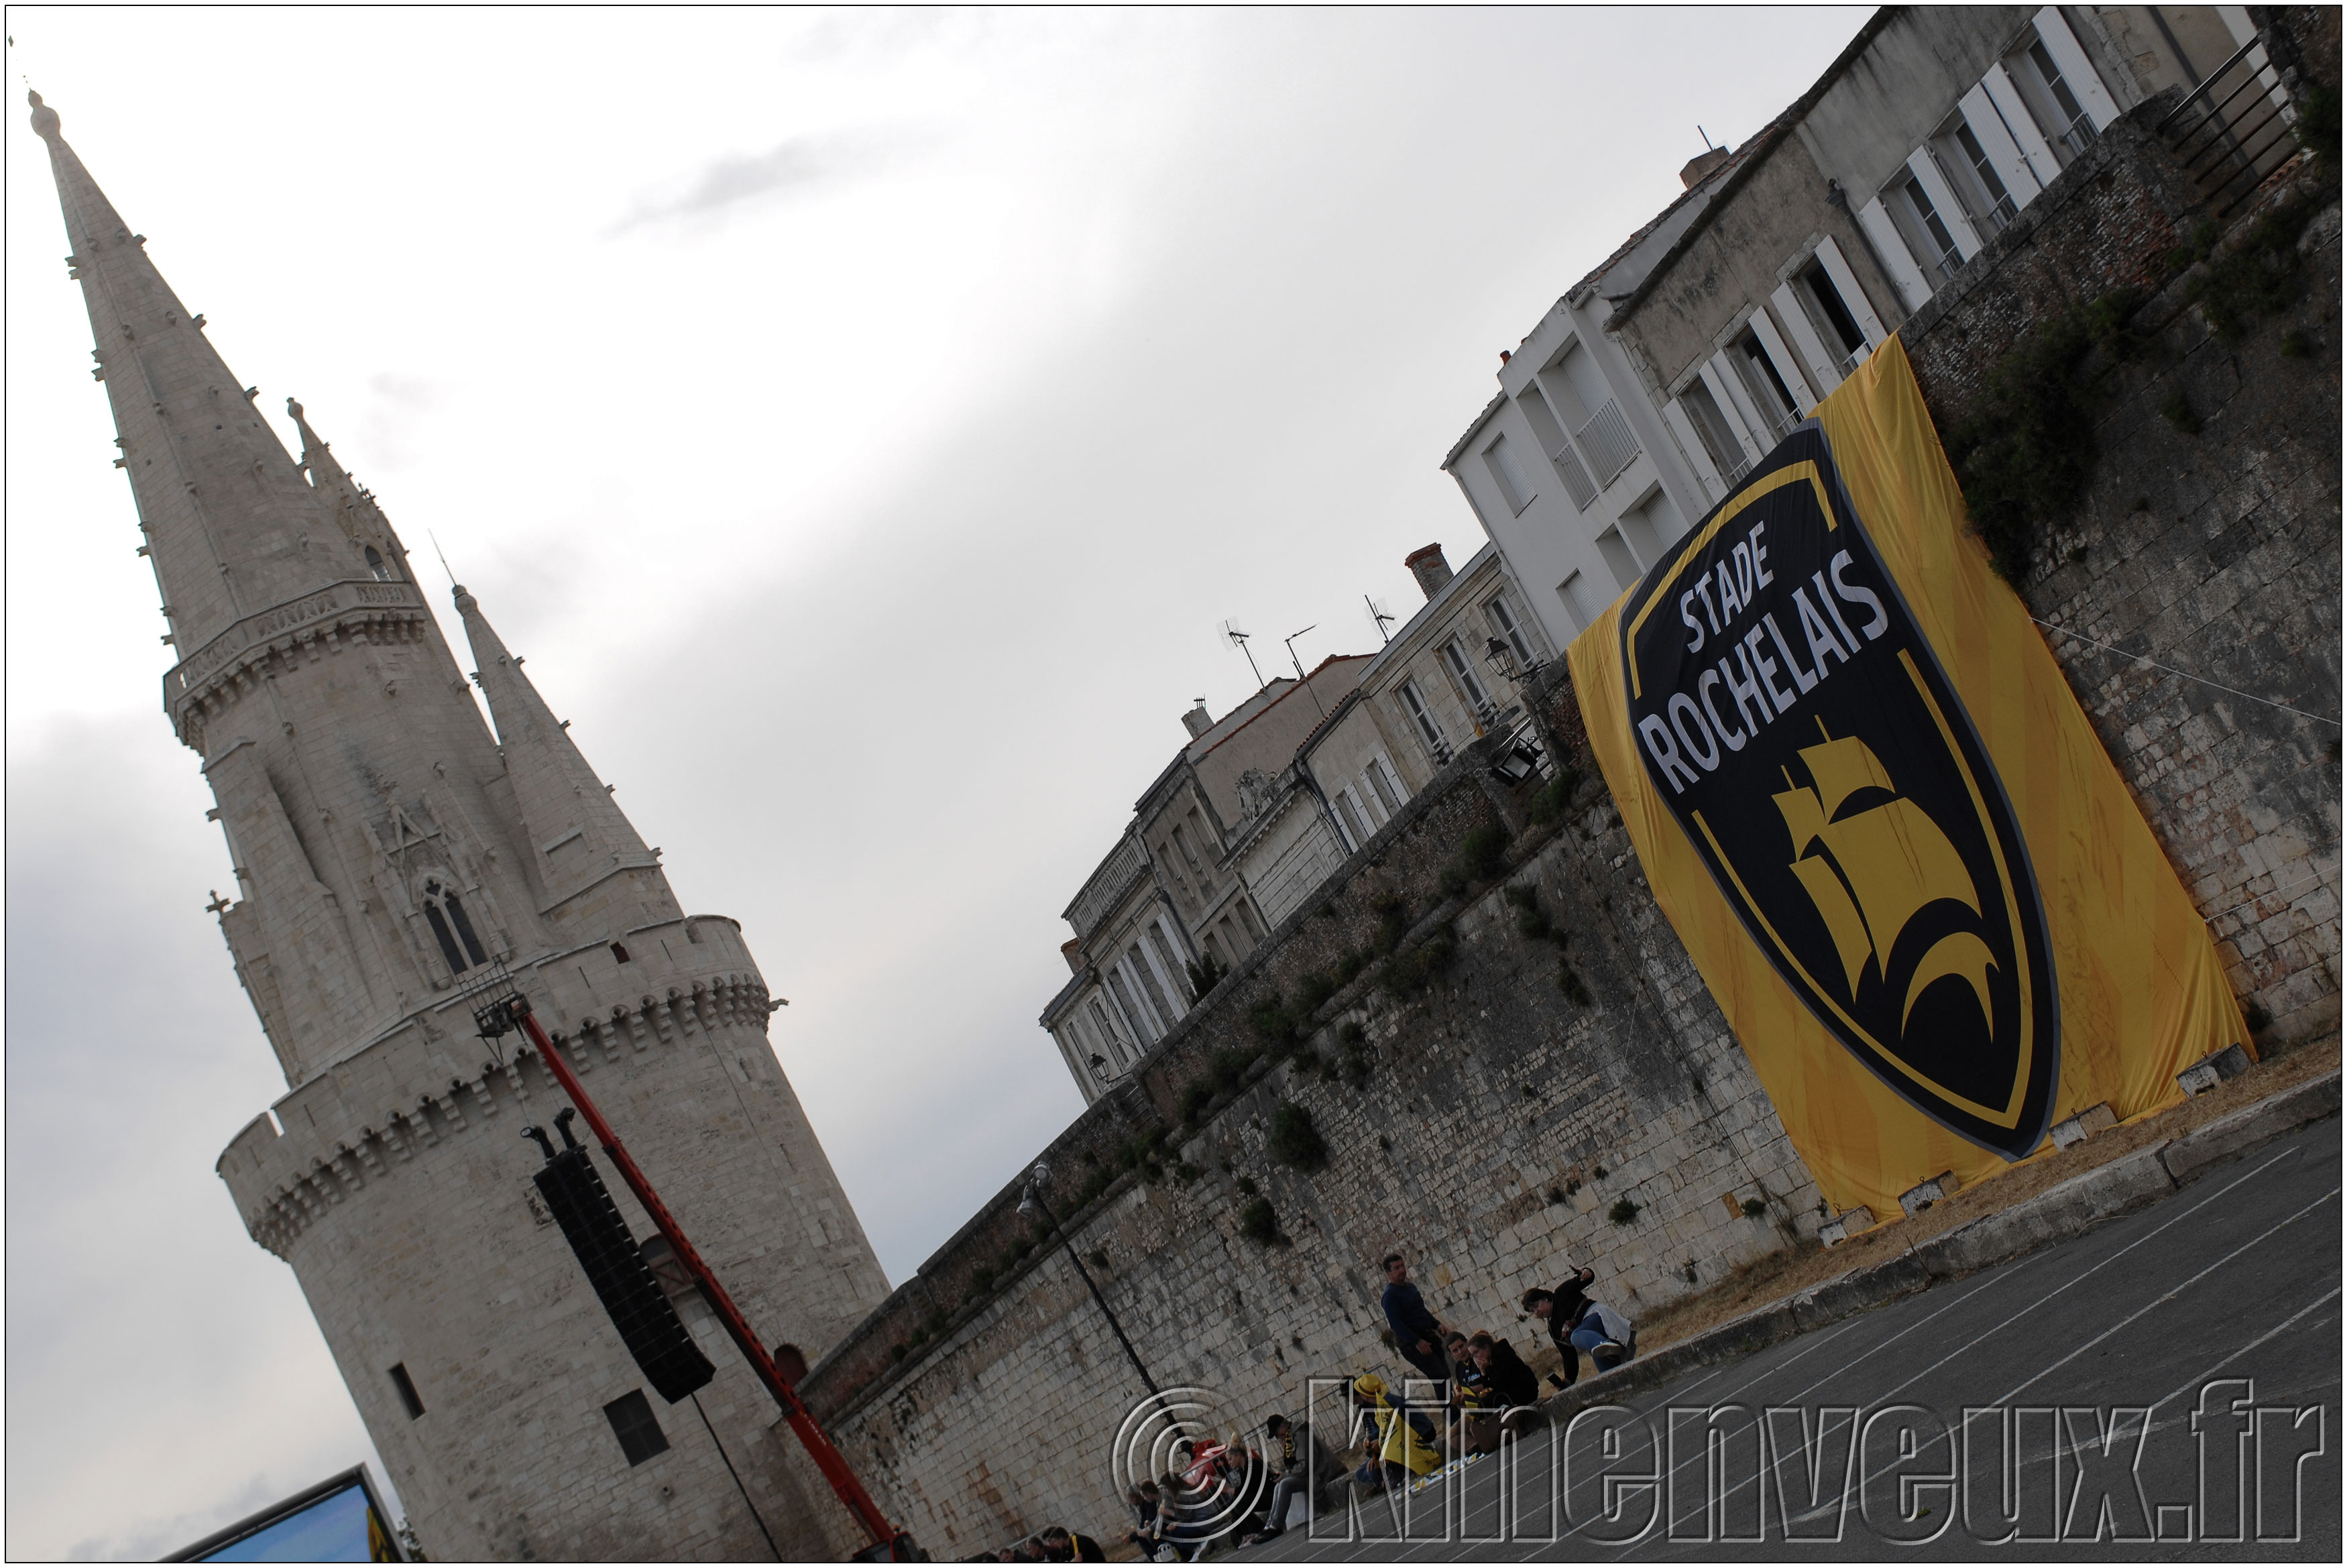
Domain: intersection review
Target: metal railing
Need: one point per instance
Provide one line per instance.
(1577, 477)
(2233, 130)
(1608, 439)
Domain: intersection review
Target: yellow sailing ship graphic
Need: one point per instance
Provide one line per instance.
(1870, 860)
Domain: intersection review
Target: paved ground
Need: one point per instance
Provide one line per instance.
(2223, 1299)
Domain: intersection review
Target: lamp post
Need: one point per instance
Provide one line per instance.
(1031, 1202)
(1504, 663)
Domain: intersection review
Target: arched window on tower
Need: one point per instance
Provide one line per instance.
(377, 565)
(452, 927)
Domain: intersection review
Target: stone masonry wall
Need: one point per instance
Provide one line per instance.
(2204, 554)
(1501, 1121)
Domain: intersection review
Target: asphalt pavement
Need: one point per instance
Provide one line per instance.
(2165, 1386)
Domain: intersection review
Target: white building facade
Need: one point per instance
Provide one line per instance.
(1657, 381)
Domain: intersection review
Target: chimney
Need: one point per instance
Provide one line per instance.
(1068, 951)
(1698, 168)
(1428, 568)
(1197, 721)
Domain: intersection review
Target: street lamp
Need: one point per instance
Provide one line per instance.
(1030, 1202)
(1519, 763)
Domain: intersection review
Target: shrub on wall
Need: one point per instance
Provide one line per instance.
(1260, 1225)
(1294, 1140)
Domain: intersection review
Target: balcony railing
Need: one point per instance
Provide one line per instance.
(1577, 477)
(1609, 442)
(2233, 130)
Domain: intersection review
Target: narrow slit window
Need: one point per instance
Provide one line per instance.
(2000, 211)
(1935, 229)
(1463, 669)
(465, 929)
(1423, 718)
(638, 1429)
(1165, 956)
(1836, 313)
(447, 939)
(1503, 621)
(2078, 127)
(406, 1387)
(619, 952)
(376, 565)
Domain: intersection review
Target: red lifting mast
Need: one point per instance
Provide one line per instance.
(827, 1457)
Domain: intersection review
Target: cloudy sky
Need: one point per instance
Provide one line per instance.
(864, 422)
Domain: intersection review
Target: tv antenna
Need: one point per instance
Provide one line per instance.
(1238, 640)
(1290, 640)
(1379, 616)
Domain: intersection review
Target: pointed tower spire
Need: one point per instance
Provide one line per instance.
(580, 838)
(231, 525)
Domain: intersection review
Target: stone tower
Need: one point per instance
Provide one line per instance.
(388, 847)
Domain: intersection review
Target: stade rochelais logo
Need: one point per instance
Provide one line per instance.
(1797, 723)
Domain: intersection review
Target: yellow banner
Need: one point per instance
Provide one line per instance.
(1869, 803)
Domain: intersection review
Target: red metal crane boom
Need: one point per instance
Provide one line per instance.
(827, 1456)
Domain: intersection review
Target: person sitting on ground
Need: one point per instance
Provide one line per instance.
(1467, 1389)
(1417, 1332)
(1406, 1437)
(1607, 1337)
(1302, 1466)
(1510, 1383)
(1061, 1544)
(1142, 1501)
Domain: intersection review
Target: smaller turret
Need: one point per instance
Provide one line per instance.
(590, 863)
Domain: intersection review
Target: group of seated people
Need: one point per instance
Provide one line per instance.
(1223, 1492)
(1483, 1388)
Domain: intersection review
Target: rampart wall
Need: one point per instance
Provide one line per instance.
(1493, 1119)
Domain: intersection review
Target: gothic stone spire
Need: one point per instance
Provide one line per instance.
(233, 528)
(580, 838)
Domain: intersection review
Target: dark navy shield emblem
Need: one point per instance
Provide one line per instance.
(1792, 716)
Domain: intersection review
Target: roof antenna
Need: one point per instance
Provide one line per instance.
(1238, 640)
(1706, 139)
(1298, 663)
(1379, 615)
(442, 554)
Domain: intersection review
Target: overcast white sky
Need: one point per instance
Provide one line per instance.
(864, 422)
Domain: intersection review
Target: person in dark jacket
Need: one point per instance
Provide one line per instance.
(1512, 1382)
(1061, 1544)
(1418, 1333)
(1304, 1465)
(1562, 1308)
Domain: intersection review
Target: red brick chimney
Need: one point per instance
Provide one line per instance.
(1068, 950)
(1428, 568)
